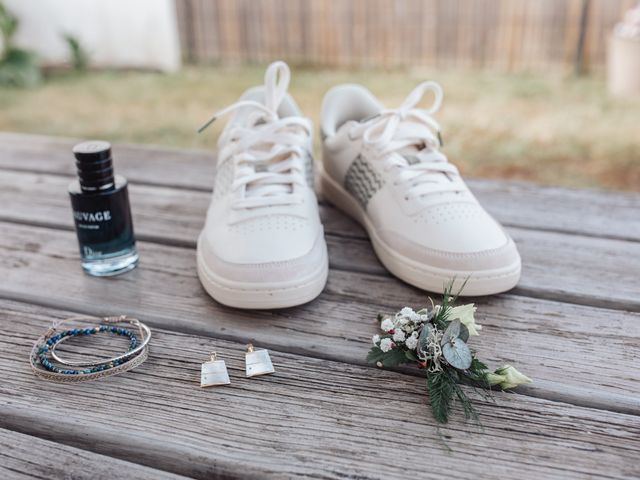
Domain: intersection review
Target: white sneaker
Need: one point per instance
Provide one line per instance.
(262, 245)
(384, 168)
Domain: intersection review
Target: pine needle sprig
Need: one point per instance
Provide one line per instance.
(448, 299)
(477, 374)
(441, 390)
(470, 412)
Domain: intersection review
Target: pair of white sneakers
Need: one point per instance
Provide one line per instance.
(263, 244)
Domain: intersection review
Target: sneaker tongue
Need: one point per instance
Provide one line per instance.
(418, 132)
(272, 188)
(416, 152)
(256, 118)
(413, 155)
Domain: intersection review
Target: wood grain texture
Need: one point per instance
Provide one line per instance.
(562, 345)
(27, 457)
(312, 418)
(585, 270)
(613, 215)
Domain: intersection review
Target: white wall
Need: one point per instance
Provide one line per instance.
(116, 33)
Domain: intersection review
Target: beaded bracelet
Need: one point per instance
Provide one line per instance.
(47, 343)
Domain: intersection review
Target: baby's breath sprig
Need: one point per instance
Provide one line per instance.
(436, 340)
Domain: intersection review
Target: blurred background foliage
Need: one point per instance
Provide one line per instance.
(18, 67)
(546, 128)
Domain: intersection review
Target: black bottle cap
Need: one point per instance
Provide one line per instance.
(92, 151)
(94, 165)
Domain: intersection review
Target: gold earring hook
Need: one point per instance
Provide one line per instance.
(249, 348)
(214, 356)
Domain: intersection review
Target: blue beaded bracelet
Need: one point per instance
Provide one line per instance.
(48, 365)
(50, 345)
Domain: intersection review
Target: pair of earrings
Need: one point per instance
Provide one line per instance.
(214, 371)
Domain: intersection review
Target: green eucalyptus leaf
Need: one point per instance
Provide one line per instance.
(452, 332)
(464, 332)
(457, 353)
(423, 338)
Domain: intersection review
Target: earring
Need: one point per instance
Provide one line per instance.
(214, 372)
(258, 362)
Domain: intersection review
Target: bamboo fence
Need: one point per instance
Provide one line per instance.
(512, 35)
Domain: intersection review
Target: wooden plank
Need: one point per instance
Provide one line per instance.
(41, 266)
(313, 418)
(586, 212)
(589, 271)
(556, 266)
(27, 457)
(171, 167)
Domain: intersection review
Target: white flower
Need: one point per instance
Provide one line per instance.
(386, 344)
(412, 341)
(464, 313)
(407, 312)
(387, 325)
(375, 339)
(495, 379)
(512, 377)
(398, 336)
(408, 315)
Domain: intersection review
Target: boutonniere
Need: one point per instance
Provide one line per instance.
(436, 339)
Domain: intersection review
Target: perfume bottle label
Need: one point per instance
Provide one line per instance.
(100, 216)
(103, 223)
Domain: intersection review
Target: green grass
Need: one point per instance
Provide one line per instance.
(549, 129)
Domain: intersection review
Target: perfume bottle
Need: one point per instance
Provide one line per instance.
(101, 212)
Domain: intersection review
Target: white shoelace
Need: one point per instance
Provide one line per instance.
(270, 153)
(407, 141)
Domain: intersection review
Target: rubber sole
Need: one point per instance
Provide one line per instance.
(249, 295)
(426, 277)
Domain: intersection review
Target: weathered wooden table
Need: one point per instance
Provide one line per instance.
(572, 324)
